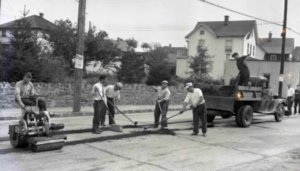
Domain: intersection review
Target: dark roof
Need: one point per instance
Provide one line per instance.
(274, 46)
(296, 53)
(232, 29)
(35, 21)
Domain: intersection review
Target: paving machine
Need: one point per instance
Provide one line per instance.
(36, 131)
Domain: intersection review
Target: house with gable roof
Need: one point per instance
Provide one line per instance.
(222, 39)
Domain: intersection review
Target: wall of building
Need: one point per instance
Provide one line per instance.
(251, 41)
(5, 40)
(61, 95)
(182, 67)
(259, 68)
(216, 48)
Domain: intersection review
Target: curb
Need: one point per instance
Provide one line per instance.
(71, 114)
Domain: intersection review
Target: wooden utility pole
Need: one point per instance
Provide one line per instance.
(283, 34)
(79, 57)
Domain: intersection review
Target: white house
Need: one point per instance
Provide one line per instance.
(222, 39)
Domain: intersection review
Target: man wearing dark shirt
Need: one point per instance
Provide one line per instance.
(297, 100)
(243, 68)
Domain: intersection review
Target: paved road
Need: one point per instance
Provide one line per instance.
(266, 145)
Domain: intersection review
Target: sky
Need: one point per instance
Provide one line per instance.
(159, 21)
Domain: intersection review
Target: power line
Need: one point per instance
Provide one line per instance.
(271, 22)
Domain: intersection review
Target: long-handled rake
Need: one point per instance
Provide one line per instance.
(135, 123)
(145, 128)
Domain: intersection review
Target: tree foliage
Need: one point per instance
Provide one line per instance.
(132, 68)
(201, 64)
(22, 55)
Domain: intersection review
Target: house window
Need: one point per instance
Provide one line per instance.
(253, 51)
(250, 50)
(228, 46)
(273, 57)
(201, 43)
(3, 33)
(202, 32)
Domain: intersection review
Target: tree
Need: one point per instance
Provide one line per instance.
(132, 43)
(146, 47)
(64, 39)
(157, 60)
(201, 64)
(22, 55)
(132, 68)
(100, 49)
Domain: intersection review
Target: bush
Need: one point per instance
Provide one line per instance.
(157, 74)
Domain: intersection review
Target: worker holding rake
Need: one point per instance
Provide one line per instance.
(162, 104)
(113, 95)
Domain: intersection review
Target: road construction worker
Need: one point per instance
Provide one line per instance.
(297, 100)
(162, 104)
(113, 95)
(99, 97)
(196, 100)
(244, 73)
(290, 98)
(24, 93)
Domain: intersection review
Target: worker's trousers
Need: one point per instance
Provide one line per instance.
(164, 107)
(99, 113)
(200, 112)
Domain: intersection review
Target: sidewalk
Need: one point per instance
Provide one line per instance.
(15, 114)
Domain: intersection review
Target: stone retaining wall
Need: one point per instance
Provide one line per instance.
(61, 95)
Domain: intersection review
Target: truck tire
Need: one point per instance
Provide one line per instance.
(210, 118)
(245, 116)
(280, 111)
(237, 119)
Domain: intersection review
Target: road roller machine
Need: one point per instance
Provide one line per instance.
(36, 131)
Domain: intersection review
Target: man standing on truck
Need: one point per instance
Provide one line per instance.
(297, 100)
(196, 100)
(243, 68)
(290, 98)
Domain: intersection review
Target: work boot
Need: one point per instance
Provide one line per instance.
(96, 132)
(194, 133)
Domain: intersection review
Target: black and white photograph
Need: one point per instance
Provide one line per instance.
(149, 85)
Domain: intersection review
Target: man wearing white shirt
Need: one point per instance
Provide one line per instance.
(196, 100)
(162, 104)
(290, 98)
(113, 95)
(98, 94)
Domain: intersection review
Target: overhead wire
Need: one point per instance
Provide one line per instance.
(271, 22)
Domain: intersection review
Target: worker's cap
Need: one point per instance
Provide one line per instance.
(164, 82)
(188, 85)
(28, 74)
(120, 85)
(234, 54)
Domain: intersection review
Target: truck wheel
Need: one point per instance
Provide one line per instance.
(245, 116)
(279, 113)
(210, 118)
(237, 117)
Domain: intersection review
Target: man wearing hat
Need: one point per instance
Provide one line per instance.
(24, 93)
(297, 100)
(196, 100)
(162, 104)
(243, 68)
(113, 95)
(290, 98)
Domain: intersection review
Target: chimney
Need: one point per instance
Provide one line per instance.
(170, 45)
(270, 37)
(226, 20)
(42, 15)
